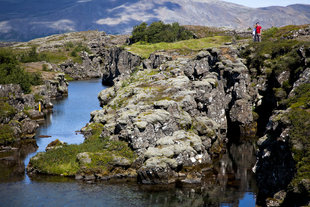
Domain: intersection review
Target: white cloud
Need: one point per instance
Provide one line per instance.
(130, 13)
(62, 25)
(83, 1)
(145, 10)
(5, 27)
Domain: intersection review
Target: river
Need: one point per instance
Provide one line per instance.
(230, 184)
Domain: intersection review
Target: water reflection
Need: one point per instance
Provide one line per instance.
(232, 183)
(12, 161)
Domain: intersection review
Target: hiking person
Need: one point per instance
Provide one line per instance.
(258, 32)
(254, 33)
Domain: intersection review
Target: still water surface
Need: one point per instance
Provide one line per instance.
(231, 183)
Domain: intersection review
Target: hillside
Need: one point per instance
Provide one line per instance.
(25, 20)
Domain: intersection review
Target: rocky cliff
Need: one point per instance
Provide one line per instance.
(281, 75)
(175, 113)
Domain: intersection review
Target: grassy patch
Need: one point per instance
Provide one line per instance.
(270, 57)
(203, 31)
(282, 32)
(68, 77)
(144, 50)
(63, 53)
(63, 160)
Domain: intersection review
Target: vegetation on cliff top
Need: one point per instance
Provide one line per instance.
(173, 37)
(160, 32)
(186, 46)
(12, 72)
(69, 50)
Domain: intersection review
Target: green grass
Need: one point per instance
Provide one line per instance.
(281, 32)
(53, 57)
(63, 160)
(68, 77)
(144, 50)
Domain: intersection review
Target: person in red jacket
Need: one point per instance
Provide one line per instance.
(258, 32)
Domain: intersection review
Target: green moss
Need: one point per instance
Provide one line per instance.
(99, 163)
(77, 59)
(301, 98)
(95, 129)
(299, 116)
(280, 93)
(68, 77)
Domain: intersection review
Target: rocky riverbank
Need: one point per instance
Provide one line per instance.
(20, 114)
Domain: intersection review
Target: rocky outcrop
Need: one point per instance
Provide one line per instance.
(105, 58)
(176, 117)
(88, 69)
(20, 113)
(117, 61)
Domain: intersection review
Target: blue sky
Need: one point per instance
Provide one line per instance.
(264, 3)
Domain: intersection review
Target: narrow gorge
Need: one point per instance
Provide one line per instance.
(174, 117)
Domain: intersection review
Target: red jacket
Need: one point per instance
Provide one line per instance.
(258, 28)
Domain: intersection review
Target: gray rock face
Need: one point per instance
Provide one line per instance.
(155, 60)
(91, 67)
(117, 61)
(174, 113)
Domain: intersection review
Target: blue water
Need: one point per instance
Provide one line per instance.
(70, 115)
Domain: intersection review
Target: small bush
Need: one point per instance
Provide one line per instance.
(44, 67)
(73, 53)
(69, 45)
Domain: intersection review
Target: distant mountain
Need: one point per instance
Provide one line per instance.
(22, 20)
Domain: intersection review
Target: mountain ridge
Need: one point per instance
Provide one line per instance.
(21, 22)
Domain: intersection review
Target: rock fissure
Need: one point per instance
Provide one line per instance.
(177, 113)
